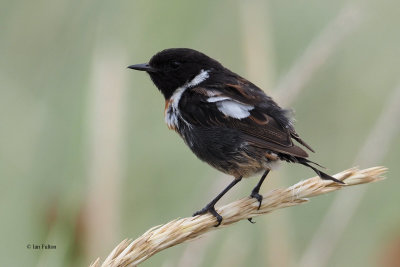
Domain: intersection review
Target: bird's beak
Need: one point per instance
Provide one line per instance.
(142, 67)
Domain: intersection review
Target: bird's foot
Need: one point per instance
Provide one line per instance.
(210, 209)
(257, 196)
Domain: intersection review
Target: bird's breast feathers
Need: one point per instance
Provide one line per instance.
(171, 111)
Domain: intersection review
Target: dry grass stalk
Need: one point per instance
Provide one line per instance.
(131, 253)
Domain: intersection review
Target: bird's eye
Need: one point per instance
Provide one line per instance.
(175, 65)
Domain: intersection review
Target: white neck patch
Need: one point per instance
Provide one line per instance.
(202, 76)
(172, 113)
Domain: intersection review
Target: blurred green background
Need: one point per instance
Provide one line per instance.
(86, 159)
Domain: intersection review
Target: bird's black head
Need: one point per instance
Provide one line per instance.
(175, 67)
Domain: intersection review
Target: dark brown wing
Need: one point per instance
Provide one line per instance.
(268, 134)
(250, 112)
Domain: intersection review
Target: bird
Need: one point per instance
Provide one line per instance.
(226, 121)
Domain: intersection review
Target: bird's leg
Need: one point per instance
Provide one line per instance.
(255, 192)
(210, 206)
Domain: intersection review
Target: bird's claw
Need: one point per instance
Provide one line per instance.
(251, 220)
(211, 210)
(257, 196)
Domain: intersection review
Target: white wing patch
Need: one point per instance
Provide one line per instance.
(230, 107)
(217, 98)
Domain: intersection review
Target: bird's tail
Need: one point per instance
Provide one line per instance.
(321, 174)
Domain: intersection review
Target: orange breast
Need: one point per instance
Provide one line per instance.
(167, 104)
